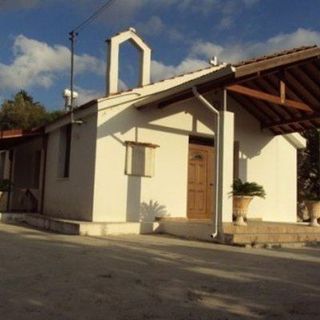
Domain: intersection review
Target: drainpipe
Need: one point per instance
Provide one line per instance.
(207, 104)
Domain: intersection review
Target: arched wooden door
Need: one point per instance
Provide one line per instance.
(200, 182)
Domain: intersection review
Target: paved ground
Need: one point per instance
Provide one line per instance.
(55, 277)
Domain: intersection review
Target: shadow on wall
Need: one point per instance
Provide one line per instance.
(132, 120)
(133, 198)
(152, 211)
(251, 139)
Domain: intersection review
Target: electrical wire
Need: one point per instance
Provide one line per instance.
(73, 34)
(93, 16)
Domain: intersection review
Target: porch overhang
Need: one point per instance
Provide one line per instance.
(282, 91)
(11, 138)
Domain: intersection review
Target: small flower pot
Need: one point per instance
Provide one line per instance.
(240, 209)
(314, 212)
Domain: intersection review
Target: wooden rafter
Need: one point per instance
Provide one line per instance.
(268, 97)
(253, 108)
(292, 121)
(282, 113)
(290, 113)
(299, 87)
(282, 92)
(312, 85)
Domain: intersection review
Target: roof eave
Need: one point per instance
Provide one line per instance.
(185, 88)
(276, 62)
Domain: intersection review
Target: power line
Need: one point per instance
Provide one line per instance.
(93, 16)
(72, 36)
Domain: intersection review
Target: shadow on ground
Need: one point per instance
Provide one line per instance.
(49, 276)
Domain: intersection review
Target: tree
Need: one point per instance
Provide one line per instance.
(24, 113)
(309, 166)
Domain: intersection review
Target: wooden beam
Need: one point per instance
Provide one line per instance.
(282, 92)
(283, 113)
(268, 85)
(290, 93)
(268, 97)
(253, 109)
(292, 121)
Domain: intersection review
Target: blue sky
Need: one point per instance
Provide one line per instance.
(34, 46)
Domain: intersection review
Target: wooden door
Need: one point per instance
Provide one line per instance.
(200, 182)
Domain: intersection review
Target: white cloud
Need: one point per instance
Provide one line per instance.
(36, 64)
(86, 95)
(153, 26)
(161, 71)
(239, 51)
(201, 51)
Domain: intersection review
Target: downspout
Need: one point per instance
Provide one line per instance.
(207, 104)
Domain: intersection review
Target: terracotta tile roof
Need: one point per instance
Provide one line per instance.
(273, 55)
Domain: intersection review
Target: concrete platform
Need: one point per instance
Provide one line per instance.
(11, 217)
(83, 228)
(255, 233)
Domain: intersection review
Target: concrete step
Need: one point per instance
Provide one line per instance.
(83, 228)
(11, 217)
(270, 227)
(254, 233)
(271, 238)
(189, 229)
(52, 224)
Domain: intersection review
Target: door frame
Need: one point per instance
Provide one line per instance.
(205, 144)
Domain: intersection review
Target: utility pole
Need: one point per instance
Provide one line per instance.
(72, 38)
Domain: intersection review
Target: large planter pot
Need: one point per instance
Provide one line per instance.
(240, 209)
(314, 212)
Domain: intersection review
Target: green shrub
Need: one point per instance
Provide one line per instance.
(252, 189)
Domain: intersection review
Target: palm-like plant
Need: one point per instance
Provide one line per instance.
(251, 189)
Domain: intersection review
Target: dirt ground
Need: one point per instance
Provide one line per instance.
(54, 277)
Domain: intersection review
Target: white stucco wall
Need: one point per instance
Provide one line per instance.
(118, 197)
(270, 161)
(99, 190)
(267, 159)
(72, 197)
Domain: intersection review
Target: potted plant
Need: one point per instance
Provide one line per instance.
(312, 202)
(243, 193)
(4, 188)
